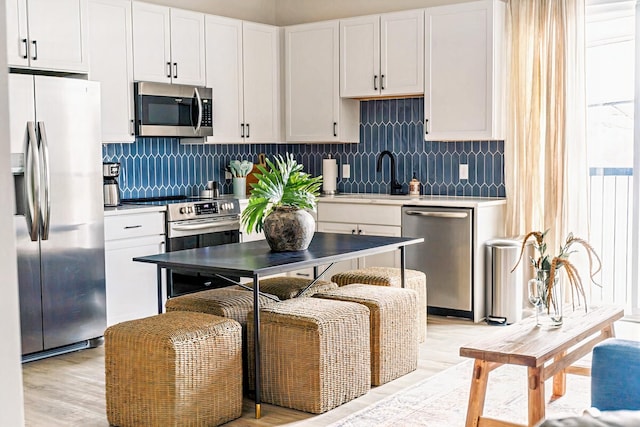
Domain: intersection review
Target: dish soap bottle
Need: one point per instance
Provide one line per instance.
(414, 186)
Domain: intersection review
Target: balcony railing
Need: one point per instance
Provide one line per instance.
(611, 217)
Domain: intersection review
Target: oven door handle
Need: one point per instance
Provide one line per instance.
(190, 227)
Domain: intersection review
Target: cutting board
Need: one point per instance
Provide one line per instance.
(251, 177)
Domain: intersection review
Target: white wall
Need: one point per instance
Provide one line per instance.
(251, 10)
(290, 12)
(11, 400)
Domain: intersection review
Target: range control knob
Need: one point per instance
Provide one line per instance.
(183, 210)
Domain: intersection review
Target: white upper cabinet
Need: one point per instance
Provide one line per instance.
(382, 55)
(47, 35)
(168, 45)
(261, 71)
(463, 71)
(243, 69)
(314, 111)
(111, 64)
(187, 47)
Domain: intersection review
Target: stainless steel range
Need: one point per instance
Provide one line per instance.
(196, 223)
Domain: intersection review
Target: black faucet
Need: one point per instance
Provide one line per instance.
(396, 187)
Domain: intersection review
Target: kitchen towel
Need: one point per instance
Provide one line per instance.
(329, 175)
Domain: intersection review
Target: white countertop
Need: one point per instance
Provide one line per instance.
(386, 199)
(132, 209)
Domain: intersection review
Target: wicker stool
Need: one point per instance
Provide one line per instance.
(173, 369)
(314, 353)
(394, 342)
(226, 302)
(389, 276)
(288, 287)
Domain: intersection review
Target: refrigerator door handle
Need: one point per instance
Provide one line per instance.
(32, 182)
(45, 208)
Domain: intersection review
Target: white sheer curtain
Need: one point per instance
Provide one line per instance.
(545, 167)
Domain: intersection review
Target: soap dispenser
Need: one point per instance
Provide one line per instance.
(414, 186)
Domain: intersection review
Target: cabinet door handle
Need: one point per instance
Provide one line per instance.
(26, 48)
(242, 130)
(131, 127)
(359, 232)
(35, 49)
(335, 131)
(426, 126)
(175, 70)
(353, 231)
(248, 130)
(382, 82)
(169, 69)
(303, 274)
(375, 82)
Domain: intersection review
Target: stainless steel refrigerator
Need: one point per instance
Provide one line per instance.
(56, 163)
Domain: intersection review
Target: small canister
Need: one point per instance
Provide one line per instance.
(414, 186)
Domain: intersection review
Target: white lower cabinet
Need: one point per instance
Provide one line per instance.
(380, 221)
(132, 287)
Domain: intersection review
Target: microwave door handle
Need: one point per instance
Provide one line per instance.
(199, 99)
(46, 179)
(32, 182)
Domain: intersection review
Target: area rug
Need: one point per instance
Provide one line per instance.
(441, 400)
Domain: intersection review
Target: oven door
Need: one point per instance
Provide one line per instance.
(197, 234)
(172, 110)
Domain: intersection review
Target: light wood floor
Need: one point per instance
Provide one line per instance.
(68, 390)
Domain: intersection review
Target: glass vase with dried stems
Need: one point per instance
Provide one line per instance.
(545, 290)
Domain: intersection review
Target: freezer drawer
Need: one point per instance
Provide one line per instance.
(445, 256)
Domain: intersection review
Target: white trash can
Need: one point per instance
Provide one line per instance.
(503, 287)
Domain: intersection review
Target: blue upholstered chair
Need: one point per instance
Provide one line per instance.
(615, 375)
(615, 388)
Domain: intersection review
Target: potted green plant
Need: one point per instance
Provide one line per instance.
(280, 202)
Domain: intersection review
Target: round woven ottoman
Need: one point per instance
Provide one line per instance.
(173, 369)
(389, 276)
(394, 343)
(289, 287)
(314, 353)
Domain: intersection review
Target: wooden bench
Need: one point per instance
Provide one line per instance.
(545, 353)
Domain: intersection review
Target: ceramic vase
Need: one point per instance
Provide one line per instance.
(240, 187)
(289, 229)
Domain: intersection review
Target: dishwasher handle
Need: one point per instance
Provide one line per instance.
(433, 214)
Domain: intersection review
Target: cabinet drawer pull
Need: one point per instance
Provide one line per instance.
(303, 274)
(128, 227)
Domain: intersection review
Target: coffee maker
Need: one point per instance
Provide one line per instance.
(111, 189)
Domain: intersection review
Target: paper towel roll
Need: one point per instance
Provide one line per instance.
(329, 175)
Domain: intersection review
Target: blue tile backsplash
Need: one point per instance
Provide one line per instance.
(163, 166)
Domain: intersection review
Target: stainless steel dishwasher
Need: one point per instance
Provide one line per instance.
(445, 256)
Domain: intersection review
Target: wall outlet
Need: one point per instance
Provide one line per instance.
(227, 175)
(464, 172)
(346, 171)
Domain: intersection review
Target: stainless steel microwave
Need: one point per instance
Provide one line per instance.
(164, 109)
